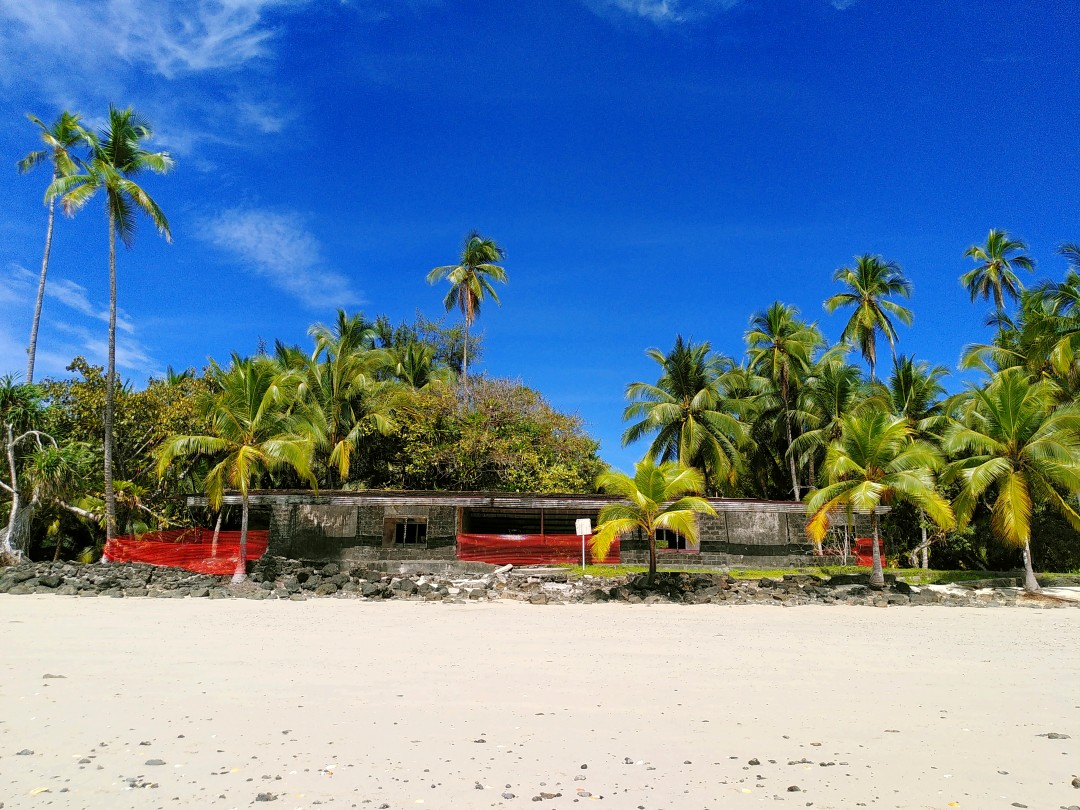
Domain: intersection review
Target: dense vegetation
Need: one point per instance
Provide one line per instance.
(972, 478)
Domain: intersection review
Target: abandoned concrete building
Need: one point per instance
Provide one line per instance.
(434, 525)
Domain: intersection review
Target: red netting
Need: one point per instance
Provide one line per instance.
(864, 552)
(529, 549)
(193, 549)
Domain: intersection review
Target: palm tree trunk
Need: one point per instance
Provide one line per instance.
(241, 564)
(877, 573)
(8, 547)
(925, 548)
(110, 386)
(217, 532)
(1031, 585)
(31, 350)
(652, 557)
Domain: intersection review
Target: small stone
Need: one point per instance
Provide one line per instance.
(24, 753)
(155, 762)
(584, 767)
(49, 675)
(1076, 782)
(794, 789)
(266, 797)
(1053, 735)
(509, 796)
(754, 761)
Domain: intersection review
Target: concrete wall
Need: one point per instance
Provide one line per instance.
(310, 528)
(750, 538)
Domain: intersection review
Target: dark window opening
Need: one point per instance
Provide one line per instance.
(405, 531)
(668, 540)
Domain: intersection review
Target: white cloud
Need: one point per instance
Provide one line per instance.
(663, 12)
(840, 5)
(62, 337)
(279, 247)
(168, 37)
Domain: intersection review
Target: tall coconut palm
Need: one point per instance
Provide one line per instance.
(252, 433)
(471, 283)
(993, 272)
(780, 348)
(870, 283)
(1017, 444)
(663, 496)
(60, 139)
(116, 156)
(876, 461)
(687, 412)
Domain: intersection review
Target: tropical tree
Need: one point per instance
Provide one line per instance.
(60, 141)
(780, 347)
(116, 156)
(876, 461)
(993, 272)
(870, 283)
(663, 496)
(832, 389)
(338, 389)
(252, 433)
(415, 366)
(1016, 445)
(471, 283)
(687, 412)
(915, 392)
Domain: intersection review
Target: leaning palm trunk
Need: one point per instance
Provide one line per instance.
(217, 533)
(110, 386)
(877, 573)
(7, 546)
(31, 350)
(241, 564)
(1031, 584)
(925, 549)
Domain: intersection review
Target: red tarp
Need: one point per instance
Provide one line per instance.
(529, 549)
(192, 549)
(864, 552)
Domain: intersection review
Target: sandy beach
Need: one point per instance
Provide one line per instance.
(371, 705)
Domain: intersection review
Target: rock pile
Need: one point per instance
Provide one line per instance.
(280, 578)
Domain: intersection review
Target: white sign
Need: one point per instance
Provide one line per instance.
(584, 526)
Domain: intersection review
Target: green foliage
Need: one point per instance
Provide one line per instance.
(506, 439)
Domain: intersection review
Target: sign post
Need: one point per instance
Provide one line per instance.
(584, 527)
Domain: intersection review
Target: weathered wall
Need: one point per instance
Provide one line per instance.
(311, 528)
(750, 538)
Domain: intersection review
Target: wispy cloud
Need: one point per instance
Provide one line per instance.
(662, 12)
(167, 37)
(840, 5)
(278, 247)
(63, 337)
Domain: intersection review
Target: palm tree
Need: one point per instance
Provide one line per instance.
(780, 347)
(60, 140)
(876, 461)
(660, 496)
(1016, 444)
(687, 412)
(414, 365)
(116, 155)
(993, 273)
(869, 283)
(339, 389)
(914, 392)
(471, 282)
(252, 433)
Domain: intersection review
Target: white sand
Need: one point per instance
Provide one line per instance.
(918, 707)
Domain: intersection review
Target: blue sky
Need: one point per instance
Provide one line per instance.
(652, 167)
